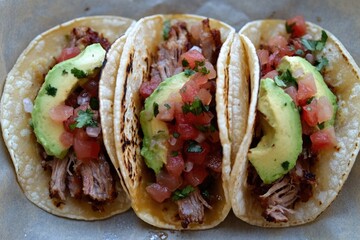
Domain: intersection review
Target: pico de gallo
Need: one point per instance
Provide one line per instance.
(278, 199)
(194, 158)
(85, 172)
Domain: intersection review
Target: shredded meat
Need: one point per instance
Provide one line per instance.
(58, 177)
(278, 199)
(84, 36)
(170, 51)
(210, 42)
(191, 209)
(74, 184)
(97, 180)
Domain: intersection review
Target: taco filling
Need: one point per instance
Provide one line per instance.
(66, 122)
(295, 120)
(180, 133)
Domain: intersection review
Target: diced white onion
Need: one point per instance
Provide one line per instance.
(172, 141)
(188, 166)
(28, 105)
(83, 98)
(200, 138)
(93, 131)
(196, 48)
(298, 72)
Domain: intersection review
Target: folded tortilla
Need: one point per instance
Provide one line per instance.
(134, 69)
(24, 81)
(333, 167)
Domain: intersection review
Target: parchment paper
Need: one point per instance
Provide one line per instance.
(21, 21)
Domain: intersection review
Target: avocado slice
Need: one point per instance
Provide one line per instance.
(156, 133)
(294, 63)
(60, 81)
(279, 148)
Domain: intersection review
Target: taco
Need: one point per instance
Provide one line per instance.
(302, 136)
(51, 123)
(170, 120)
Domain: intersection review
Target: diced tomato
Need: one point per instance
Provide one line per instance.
(292, 93)
(323, 139)
(67, 139)
(277, 42)
(175, 165)
(263, 56)
(196, 176)
(168, 180)
(199, 79)
(191, 57)
(158, 192)
(205, 96)
(297, 25)
(68, 53)
(213, 136)
(61, 112)
(309, 113)
(306, 88)
(201, 119)
(189, 91)
(166, 112)
(210, 68)
(272, 74)
(197, 157)
(306, 129)
(84, 146)
(325, 110)
(187, 131)
(147, 88)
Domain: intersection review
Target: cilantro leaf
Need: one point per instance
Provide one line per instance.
(167, 106)
(185, 63)
(194, 147)
(189, 72)
(174, 153)
(85, 119)
(315, 45)
(156, 108)
(183, 193)
(196, 107)
(94, 103)
(78, 73)
(285, 79)
(166, 29)
(176, 135)
(321, 63)
(289, 27)
(50, 90)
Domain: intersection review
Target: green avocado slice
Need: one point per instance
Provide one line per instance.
(60, 81)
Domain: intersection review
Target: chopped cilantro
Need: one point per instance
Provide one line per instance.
(205, 194)
(185, 63)
(174, 153)
(204, 71)
(285, 79)
(321, 63)
(50, 90)
(194, 147)
(189, 72)
(176, 135)
(183, 193)
(64, 72)
(196, 107)
(167, 106)
(166, 29)
(315, 45)
(203, 128)
(289, 27)
(156, 108)
(85, 119)
(299, 52)
(78, 73)
(321, 125)
(94, 103)
(285, 165)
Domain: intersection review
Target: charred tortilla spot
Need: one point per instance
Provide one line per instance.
(129, 67)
